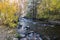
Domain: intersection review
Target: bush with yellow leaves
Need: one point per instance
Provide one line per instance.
(49, 9)
(8, 13)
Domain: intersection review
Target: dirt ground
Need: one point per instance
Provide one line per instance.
(7, 33)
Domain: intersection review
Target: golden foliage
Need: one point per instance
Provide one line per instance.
(49, 9)
(8, 13)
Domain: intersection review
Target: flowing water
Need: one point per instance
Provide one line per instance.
(25, 32)
(37, 30)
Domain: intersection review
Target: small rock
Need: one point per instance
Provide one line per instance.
(10, 31)
(22, 35)
(15, 38)
(23, 39)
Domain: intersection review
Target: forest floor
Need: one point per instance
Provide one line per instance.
(7, 33)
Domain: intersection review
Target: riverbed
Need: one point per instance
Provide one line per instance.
(37, 30)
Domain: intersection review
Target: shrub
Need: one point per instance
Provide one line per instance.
(8, 13)
(49, 9)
